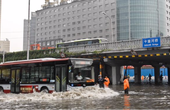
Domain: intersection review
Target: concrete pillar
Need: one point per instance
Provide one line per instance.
(137, 72)
(157, 74)
(168, 75)
(115, 75)
(121, 74)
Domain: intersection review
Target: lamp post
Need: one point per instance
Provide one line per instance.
(111, 27)
(28, 33)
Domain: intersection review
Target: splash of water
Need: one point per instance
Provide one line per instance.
(73, 93)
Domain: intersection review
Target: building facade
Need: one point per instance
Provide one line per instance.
(32, 31)
(77, 20)
(168, 17)
(138, 19)
(115, 20)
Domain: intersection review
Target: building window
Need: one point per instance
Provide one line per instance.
(84, 15)
(84, 21)
(64, 30)
(95, 32)
(107, 24)
(100, 31)
(100, 24)
(89, 26)
(95, 25)
(78, 34)
(95, 7)
(89, 20)
(73, 23)
(68, 35)
(73, 29)
(95, 19)
(84, 27)
(100, 19)
(73, 35)
(78, 28)
(107, 36)
(107, 30)
(84, 33)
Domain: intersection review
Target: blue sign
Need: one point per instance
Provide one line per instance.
(151, 42)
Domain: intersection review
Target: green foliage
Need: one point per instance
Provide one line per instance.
(33, 54)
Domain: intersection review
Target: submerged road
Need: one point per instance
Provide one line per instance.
(144, 96)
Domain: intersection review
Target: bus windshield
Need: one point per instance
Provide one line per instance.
(81, 71)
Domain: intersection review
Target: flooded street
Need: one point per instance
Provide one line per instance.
(144, 96)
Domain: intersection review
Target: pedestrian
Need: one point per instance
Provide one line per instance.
(161, 77)
(101, 81)
(107, 81)
(126, 85)
(150, 77)
(128, 76)
(142, 77)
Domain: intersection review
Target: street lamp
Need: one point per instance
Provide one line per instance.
(28, 33)
(110, 25)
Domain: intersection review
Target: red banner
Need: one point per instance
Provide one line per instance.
(26, 89)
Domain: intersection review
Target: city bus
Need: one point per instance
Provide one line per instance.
(82, 42)
(45, 74)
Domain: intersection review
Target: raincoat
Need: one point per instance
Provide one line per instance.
(107, 82)
(126, 84)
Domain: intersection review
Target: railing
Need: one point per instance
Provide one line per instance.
(116, 46)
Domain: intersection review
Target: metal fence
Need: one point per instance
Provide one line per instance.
(116, 46)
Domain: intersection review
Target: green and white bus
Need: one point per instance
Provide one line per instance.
(82, 42)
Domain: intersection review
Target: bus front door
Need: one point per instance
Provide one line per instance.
(60, 78)
(15, 81)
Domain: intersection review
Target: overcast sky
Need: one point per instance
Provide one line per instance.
(13, 14)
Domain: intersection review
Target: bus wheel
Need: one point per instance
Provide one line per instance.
(84, 85)
(1, 90)
(44, 90)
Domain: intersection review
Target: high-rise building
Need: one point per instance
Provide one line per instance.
(168, 17)
(73, 21)
(138, 19)
(32, 31)
(131, 19)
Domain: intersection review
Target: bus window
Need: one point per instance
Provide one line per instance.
(0, 74)
(89, 42)
(25, 75)
(95, 41)
(6, 76)
(34, 75)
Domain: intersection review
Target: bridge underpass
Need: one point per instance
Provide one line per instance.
(112, 63)
(156, 58)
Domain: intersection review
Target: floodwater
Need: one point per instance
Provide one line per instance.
(144, 96)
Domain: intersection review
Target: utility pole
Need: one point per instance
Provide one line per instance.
(158, 17)
(111, 27)
(129, 20)
(3, 56)
(28, 33)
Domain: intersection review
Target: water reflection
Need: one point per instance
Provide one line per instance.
(126, 102)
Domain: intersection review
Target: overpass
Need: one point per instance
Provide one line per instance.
(118, 54)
